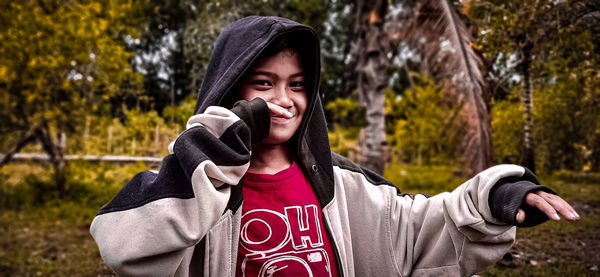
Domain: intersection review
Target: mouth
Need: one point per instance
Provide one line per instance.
(280, 119)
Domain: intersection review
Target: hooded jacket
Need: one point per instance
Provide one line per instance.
(185, 219)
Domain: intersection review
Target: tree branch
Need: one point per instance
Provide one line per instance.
(26, 138)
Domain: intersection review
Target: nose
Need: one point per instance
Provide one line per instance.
(282, 97)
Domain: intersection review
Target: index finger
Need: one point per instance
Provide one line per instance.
(278, 110)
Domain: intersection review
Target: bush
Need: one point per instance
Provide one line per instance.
(88, 185)
(421, 124)
(507, 129)
(347, 113)
(177, 116)
(423, 179)
(566, 118)
(344, 140)
(577, 177)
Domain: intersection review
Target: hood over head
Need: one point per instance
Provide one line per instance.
(237, 48)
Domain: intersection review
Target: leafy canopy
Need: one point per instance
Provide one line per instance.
(61, 60)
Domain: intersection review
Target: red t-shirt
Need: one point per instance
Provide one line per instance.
(282, 231)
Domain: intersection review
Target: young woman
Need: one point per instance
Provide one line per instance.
(251, 188)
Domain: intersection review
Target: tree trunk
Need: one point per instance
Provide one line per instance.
(596, 152)
(27, 137)
(528, 154)
(372, 63)
(56, 154)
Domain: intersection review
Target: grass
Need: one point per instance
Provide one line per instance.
(41, 242)
(40, 236)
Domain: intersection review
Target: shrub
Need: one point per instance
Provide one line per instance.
(423, 179)
(88, 185)
(577, 177)
(422, 123)
(507, 129)
(347, 113)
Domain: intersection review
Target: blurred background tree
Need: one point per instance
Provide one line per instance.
(551, 48)
(178, 35)
(59, 61)
(371, 54)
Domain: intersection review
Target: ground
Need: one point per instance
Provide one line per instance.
(559, 248)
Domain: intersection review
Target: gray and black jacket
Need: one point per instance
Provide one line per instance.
(185, 219)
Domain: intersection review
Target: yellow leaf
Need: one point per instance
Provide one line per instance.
(476, 46)
(3, 72)
(97, 7)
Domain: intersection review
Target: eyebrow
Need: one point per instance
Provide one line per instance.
(274, 75)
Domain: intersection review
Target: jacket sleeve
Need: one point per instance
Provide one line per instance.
(508, 195)
(456, 231)
(449, 234)
(159, 216)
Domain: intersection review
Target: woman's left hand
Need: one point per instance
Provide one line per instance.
(550, 204)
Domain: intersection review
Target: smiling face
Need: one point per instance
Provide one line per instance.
(279, 80)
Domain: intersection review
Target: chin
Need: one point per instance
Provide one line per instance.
(275, 139)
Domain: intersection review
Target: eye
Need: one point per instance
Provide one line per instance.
(297, 85)
(261, 83)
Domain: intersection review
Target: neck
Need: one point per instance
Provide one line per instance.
(270, 159)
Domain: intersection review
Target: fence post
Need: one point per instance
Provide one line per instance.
(86, 134)
(156, 150)
(63, 140)
(133, 146)
(108, 143)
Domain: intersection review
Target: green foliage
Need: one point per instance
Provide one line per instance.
(423, 123)
(507, 129)
(564, 44)
(430, 179)
(567, 111)
(89, 185)
(577, 177)
(347, 112)
(344, 141)
(138, 123)
(179, 115)
(59, 62)
(140, 134)
(177, 38)
(565, 115)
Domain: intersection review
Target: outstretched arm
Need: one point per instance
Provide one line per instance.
(476, 225)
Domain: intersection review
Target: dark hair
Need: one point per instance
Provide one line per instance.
(282, 43)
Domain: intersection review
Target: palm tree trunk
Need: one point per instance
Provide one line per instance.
(371, 66)
(528, 154)
(423, 25)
